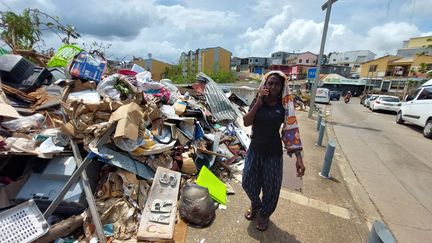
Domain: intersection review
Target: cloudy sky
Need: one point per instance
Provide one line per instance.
(165, 28)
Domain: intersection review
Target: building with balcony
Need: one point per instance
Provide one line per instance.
(416, 46)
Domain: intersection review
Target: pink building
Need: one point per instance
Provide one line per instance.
(307, 58)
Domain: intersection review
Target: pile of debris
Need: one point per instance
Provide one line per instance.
(144, 143)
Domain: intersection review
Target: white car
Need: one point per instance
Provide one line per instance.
(369, 100)
(418, 109)
(386, 103)
(322, 95)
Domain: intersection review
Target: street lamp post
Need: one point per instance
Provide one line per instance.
(327, 5)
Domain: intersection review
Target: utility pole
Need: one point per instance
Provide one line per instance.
(326, 6)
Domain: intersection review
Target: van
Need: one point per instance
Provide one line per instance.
(417, 109)
(322, 95)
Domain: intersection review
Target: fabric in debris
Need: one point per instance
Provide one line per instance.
(24, 124)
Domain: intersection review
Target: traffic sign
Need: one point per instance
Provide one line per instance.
(311, 74)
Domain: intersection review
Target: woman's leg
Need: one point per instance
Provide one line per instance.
(272, 181)
(252, 181)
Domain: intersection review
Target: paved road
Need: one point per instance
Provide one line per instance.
(394, 164)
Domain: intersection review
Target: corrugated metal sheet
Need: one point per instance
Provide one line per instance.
(219, 104)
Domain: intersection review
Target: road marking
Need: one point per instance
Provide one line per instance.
(316, 204)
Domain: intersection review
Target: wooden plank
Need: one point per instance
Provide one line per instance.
(180, 231)
(153, 231)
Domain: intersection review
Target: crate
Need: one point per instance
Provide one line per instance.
(64, 55)
(22, 223)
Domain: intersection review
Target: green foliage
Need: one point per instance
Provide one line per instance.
(19, 31)
(184, 72)
(223, 76)
(175, 74)
(24, 31)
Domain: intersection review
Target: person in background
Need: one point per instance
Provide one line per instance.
(263, 169)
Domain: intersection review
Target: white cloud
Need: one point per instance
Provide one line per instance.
(389, 37)
(257, 42)
(196, 19)
(166, 28)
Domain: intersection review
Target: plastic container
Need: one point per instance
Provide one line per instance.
(63, 55)
(22, 223)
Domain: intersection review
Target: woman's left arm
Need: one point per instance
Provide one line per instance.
(299, 164)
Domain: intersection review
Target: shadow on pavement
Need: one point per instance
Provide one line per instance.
(355, 127)
(272, 234)
(414, 127)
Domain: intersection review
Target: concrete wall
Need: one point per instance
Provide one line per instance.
(419, 42)
(157, 68)
(207, 60)
(341, 70)
(224, 59)
(307, 58)
(351, 57)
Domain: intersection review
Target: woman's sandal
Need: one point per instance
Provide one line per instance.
(262, 223)
(250, 213)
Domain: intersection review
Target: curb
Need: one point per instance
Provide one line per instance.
(364, 205)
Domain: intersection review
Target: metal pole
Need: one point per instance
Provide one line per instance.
(321, 134)
(319, 122)
(328, 160)
(327, 6)
(367, 80)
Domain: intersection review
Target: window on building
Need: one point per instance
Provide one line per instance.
(300, 60)
(373, 68)
(346, 58)
(426, 94)
(334, 60)
(356, 65)
(314, 61)
(250, 60)
(307, 60)
(256, 60)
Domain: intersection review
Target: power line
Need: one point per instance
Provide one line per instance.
(7, 6)
(412, 11)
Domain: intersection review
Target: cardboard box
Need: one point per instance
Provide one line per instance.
(128, 118)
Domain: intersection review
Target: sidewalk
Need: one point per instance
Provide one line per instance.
(325, 211)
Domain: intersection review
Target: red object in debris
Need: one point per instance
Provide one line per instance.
(199, 87)
(127, 72)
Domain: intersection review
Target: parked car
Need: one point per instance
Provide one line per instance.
(322, 95)
(335, 95)
(370, 99)
(363, 98)
(386, 103)
(418, 109)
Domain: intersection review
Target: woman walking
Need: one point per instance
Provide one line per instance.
(263, 170)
